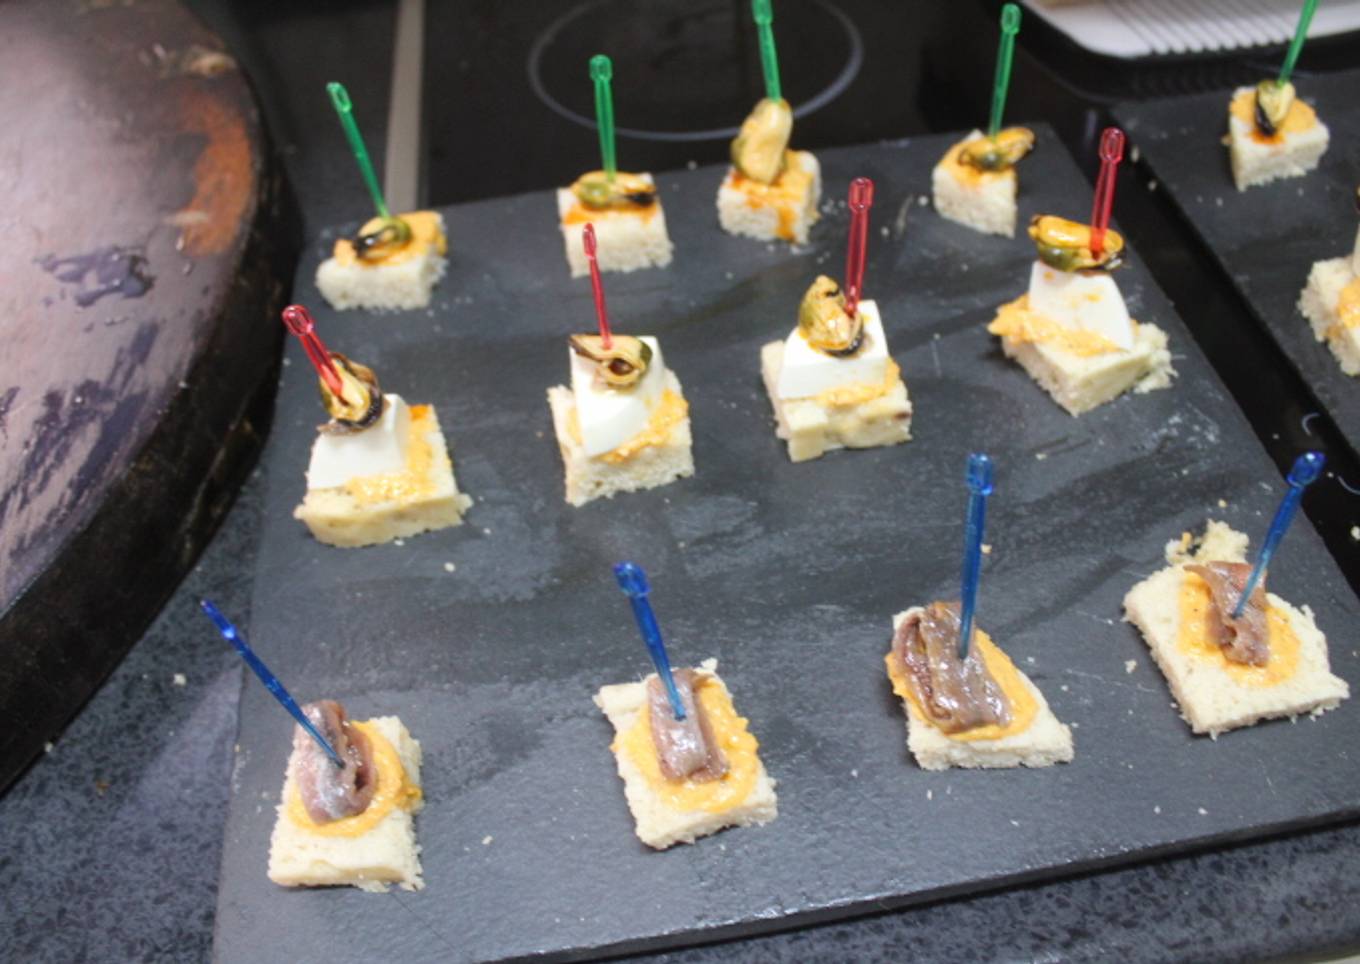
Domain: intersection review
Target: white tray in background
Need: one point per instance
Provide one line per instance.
(1146, 28)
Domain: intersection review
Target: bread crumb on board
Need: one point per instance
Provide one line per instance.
(1130, 665)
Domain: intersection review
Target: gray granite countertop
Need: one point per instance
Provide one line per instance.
(109, 845)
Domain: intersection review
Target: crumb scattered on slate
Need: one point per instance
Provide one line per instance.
(1130, 665)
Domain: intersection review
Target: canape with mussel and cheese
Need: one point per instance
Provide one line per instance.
(390, 263)
(978, 711)
(831, 382)
(1227, 671)
(975, 183)
(380, 468)
(1071, 330)
(685, 779)
(350, 825)
(770, 192)
(1272, 134)
(623, 425)
(1331, 303)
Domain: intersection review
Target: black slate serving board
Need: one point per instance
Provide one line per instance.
(788, 574)
(1266, 238)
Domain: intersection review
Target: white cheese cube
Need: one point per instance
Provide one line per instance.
(377, 450)
(1087, 302)
(607, 416)
(807, 371)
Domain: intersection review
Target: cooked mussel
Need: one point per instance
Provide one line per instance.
(375, 245)
(1066, 245)
(1273, 100)
(363, 401)
(758, 151)
(998, 153)
(622, 364)
(824, 322)
(595, 190)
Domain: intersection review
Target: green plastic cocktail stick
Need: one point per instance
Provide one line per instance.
(343, 107)
(1010, 26)
(602, 71)
(769, 60)
(1300, 35)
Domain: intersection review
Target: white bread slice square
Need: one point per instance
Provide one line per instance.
(986, 205)
(383, 287)
(778, 219)
(1079, 383)
(1211, 700)
(1254, 162)
(1043, 743)
(385, 854)
(625, 240)
(594, 478)
(658, 824)
(1319, 303)
(813, 429)
(336, 518)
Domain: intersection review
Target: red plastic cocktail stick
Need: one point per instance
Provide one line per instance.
(300, 322)
(1111, 153)
(601, 314)
(861, 199)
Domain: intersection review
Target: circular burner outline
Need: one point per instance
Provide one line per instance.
(819, 100)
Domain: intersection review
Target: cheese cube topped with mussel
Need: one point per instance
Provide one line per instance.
(1071, 330)
(380, 468)
(831, 382)
(624, 423)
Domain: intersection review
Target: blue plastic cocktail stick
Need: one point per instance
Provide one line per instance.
(1307, 467)
(979, 487)
(633, 581)
(270, 681)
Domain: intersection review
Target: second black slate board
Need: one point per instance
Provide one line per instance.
(1266, 238)
(788, 574)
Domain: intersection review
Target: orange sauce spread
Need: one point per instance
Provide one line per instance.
(414, 481)
(738, 744)
(393, 791)
(1347, 310)
(1300, 118)
(788, 195)
(1018, 695)
(858, 393)
(1196, 608)
(426, 235)
(967, 173)
(1016, 321)
(579, 213)
(670, 410)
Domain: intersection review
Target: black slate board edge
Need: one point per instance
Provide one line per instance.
(888, 903)
(247, 835)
